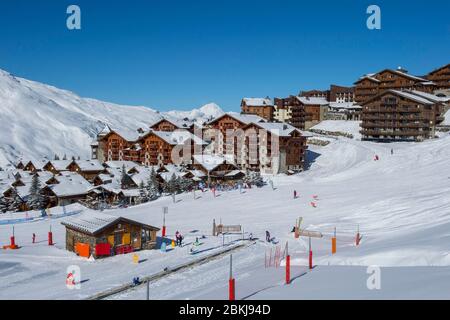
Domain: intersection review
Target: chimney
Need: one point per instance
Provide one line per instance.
(399, 68)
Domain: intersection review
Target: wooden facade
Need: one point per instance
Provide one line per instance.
(371, 85)
(89, 175)
(441, 77)
(293, 109)
(341, 94)
(260, 107)
(399, 116)
(121, 234)
(166, 125)
(288, 153)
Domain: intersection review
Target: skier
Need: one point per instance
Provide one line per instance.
(250, 236)
(34, 238)
(295, 194)
(392, 151)
(267, 236)
(376, 157)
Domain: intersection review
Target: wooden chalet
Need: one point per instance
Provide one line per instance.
(274, 148)
(262, 107)
(88, 169)
(291, 111)
(400, 116)
(57, 166)
(170, 125)
(102, 235)
(371, 85)
(35, 165)
(315, 108)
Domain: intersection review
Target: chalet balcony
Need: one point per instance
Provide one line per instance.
(403, 133)
(393, 125)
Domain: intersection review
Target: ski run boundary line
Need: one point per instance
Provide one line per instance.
(162, 274)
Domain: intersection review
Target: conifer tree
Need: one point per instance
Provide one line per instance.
(152, 185)
(36, 200)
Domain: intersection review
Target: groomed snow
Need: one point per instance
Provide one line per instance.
(400, 202)
(352, 127)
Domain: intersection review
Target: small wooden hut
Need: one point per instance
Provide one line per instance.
(99, 234)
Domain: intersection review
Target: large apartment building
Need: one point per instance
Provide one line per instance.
(395, 115)
(441, 77)
(371, 85)
(291, 111)
(228, 134)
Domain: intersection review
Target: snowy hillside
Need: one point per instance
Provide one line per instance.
(38, 120)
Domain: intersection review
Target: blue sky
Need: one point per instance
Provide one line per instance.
(183, 54)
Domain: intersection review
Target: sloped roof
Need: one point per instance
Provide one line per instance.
(258, 102)
(89, 165)
(70, 184)
(93, 222)
(60, 165)
(313, 100)
(211, 161)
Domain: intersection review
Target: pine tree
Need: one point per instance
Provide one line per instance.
(142, 193)
(56, 157)
(14, 201)
(152, 186)
(171, 186)
(36, 200)
(65, 157)
(124, 179)
(4, 205)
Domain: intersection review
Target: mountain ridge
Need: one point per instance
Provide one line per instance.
(40, 120)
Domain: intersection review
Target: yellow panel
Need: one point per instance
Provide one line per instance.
(126, 238)
(111, 240)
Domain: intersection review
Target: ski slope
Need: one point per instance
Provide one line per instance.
(401, 204)
(39, 121)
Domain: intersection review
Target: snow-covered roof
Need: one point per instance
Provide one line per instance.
(119, 164)
(70, 184)
(211, 161)
(233, 173)
(246, 118)
(197, 173)
(179, 123)
(258, 102)
(344, 105)
(92, 222)
(89, 165)
(412, 97)
(429, 96)
(313, 100)
(60, 165)
(278, 128)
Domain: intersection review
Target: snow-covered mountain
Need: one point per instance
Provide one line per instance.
(38, 120)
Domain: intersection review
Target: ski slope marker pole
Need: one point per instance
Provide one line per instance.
(50, 237)
(231, 282)
(13, 239)
(333, 242)
(358, 237)
(288, 265)
(310, 255)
